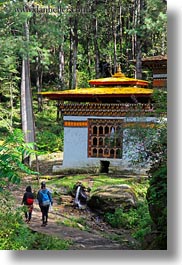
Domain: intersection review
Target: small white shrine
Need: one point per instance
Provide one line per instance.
(97, 121)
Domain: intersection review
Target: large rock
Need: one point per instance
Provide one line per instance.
(108, 198)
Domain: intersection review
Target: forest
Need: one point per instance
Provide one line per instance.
(58, 45)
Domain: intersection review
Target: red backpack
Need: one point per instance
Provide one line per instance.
(30, 201)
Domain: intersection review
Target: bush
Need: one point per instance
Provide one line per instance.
(14, 235)
(49, 142)
(137, 220)
(49, 132)
(45, 242)
(12, 151)
(157, 201)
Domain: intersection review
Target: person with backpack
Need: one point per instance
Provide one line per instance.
(44, 198)
(28, 200)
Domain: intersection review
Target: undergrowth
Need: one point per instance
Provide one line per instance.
(136, 220)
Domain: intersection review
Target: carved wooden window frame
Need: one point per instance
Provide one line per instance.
(105, 138)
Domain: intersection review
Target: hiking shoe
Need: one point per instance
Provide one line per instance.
(43, 224)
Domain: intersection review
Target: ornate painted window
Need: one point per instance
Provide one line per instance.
(105, 138)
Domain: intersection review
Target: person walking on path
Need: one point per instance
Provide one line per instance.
(28, 200)
(44, 198)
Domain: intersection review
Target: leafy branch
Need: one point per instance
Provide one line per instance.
(11, 153)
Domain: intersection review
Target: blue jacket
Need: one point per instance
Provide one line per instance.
(39, 196)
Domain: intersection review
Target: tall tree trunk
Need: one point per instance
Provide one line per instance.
(114, 33)
(115, 53)
(26, 108)
(71, 57)
(38, 68)
(120, 32)
(26, 98)
(23, 99)
(138, 59)
(75, 48)
(129, 38)
(39, 74)
(139, 21)
(61, 66)
(61, 75)
(163, 43)
(87, 52)
(134, 22)
(96, 48)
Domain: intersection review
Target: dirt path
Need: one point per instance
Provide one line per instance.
(95, 239)
(80, 239)
(99, 236)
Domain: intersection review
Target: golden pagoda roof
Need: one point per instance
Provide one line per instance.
(97, 92)
(116, 87)
(118, 79)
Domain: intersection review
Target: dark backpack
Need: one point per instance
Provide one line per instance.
(45, 198)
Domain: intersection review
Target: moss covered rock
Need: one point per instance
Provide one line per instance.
(108, 198)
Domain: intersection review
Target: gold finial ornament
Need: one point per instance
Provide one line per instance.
(118, 74)
(118, 68)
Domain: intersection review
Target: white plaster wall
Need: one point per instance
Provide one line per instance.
(76, 145)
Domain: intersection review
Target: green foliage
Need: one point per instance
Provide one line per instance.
(157, 200)
(160, 99)
(9, 78)
(48, 141)
(138, 220)
(153, 149)
(79, 223)
(139, 186)
(45, 242)
(82, 79)
(11, 153)
(69, 181)
(159, 192)
(49, 137)
(50, 31)
(149, 144)
(14, 234)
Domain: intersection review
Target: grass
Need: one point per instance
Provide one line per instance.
(139, 186)
(47, 242)
(79, 223)
(69, 181)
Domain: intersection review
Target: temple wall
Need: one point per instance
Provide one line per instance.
(76, 145)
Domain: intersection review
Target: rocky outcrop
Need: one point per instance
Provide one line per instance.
(108, 198)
